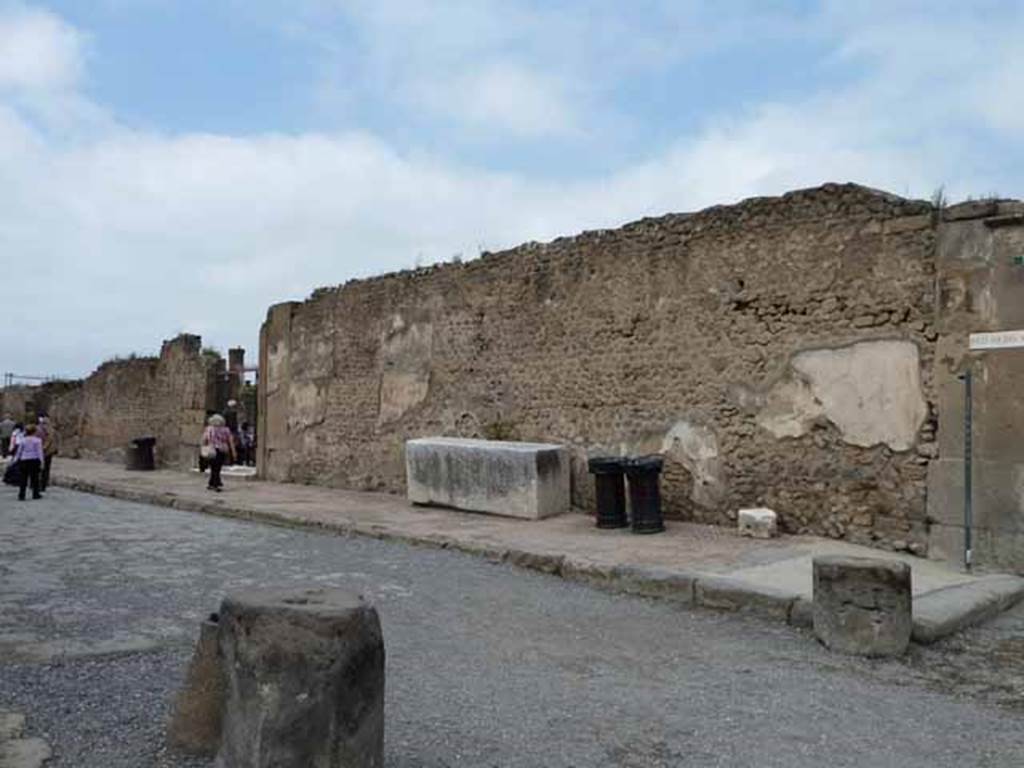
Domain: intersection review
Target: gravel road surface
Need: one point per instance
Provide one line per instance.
(487, 665)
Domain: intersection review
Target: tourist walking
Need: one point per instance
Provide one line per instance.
(6, 430)
(29, 458)
(217, 447)
(245, 444)
(17, 435)
(50, 447)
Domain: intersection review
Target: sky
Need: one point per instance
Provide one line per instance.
(174, 166)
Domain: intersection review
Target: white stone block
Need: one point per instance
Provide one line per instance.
(760, 523)
(527, 480)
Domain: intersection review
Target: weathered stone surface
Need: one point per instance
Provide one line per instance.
(24, 753)
(758, 523)
(527, 480)
(801, 614)
(942, 612)
(195, 725)
(652, 581)
(871, 391)
(979, 288)
(305, 680)
(657, 337)
(12, 725)
(729, 594)
(862, 606)
(16, 751)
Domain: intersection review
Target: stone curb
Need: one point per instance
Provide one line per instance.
(24, 753)
(728, 594)
(948, 610)
(936, 614)
(17, 751)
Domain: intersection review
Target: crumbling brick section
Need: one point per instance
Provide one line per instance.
(722, 339)
(166, 397)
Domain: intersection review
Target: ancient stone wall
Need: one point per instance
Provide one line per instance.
(778, 352)
(980, 288)
(166, 397)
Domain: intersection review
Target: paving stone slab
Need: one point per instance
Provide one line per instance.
(952, 609)
(12, 725)
(24, 753)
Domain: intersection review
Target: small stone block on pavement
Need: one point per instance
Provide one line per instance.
(305, 680)
(862, 606)
(527, 480)
(758, 523)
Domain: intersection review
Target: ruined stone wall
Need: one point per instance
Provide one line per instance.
(19, 401)
(776, 352)
(166, 397)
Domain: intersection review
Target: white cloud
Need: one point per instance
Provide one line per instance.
(113, 239)
(514, 98)
(38, 50)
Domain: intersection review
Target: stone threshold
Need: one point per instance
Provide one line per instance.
(938, 613)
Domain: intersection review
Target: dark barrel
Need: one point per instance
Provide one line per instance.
(610, 487)
(140, 454)
(644, 475)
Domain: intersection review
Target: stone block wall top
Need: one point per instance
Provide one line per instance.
(526, 480)
(493, 445)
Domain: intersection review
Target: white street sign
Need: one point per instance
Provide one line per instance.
(997, 340)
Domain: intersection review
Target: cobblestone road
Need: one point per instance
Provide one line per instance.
(487, 665)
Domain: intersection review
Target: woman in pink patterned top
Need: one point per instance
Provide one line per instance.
(218, 436)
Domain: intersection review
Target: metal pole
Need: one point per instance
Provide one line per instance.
(968, 466)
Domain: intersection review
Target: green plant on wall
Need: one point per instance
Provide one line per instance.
(500, 429)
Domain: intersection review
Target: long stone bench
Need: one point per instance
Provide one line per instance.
(527, 480)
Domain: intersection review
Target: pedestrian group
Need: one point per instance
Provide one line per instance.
(29, 450)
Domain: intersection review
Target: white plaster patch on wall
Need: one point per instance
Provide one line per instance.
(790, 408)
(696, 448)
(405, 354)
(307, 405)
(871, 392)
(277, 359)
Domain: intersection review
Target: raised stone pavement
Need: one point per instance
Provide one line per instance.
(706, 566)
(16, 750)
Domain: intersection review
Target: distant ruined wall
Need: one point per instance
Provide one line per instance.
(779, 352)
(166, 397)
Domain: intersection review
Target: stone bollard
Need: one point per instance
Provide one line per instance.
(195, 725)
(305, 680)
(862, 606)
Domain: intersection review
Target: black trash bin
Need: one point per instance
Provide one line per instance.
(644, 475)
(610, 486)
(141, 454)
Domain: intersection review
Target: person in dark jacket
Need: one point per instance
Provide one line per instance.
(48, 435)
(6, 430)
